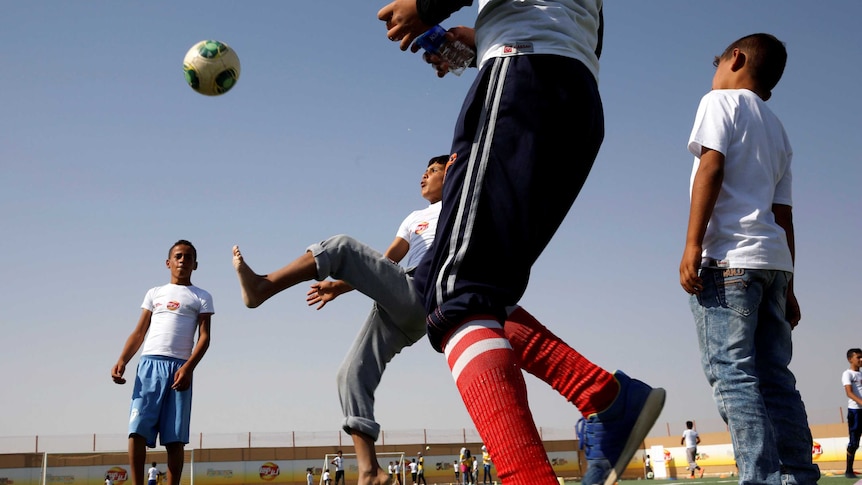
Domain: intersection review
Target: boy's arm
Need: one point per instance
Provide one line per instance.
(704, 193)
(133, 343)
(183, 377)
(408, 19)
(325, 291)
(784, 218)
(397, 250)
(848, 389)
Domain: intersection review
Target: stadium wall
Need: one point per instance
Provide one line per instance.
(287, 465)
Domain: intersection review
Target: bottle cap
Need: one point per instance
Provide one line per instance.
(432, 39)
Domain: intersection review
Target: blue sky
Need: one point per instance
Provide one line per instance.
(107, 158)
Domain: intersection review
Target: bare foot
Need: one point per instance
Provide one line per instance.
(376, 477)
(249, 282)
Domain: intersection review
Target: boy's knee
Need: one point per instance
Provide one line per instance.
(339, 242)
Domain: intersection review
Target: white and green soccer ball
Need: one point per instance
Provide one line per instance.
(211, 67)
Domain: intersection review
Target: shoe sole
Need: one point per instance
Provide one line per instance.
(647, 418)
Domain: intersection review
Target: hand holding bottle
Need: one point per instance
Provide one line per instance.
(448, 51)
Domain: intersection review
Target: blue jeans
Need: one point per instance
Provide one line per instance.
(746, 348)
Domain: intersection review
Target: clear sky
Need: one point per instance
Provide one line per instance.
(107, 158)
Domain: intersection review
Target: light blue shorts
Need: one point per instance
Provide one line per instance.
(156, 408)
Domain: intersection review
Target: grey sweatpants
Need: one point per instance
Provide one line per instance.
(396, 321)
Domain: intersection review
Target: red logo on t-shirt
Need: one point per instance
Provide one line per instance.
(173, 305)
(421, 227)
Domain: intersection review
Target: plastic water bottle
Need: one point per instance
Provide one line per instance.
(456, 53)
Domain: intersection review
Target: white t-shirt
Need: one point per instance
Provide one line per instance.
(175, 318)
(567, 28)
(742, 230)
(418, 230)
(339, 463)
(852, 378)
(413, 466)
(153, 473)
(690, 437)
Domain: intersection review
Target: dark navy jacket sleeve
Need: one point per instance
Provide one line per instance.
(432, 12)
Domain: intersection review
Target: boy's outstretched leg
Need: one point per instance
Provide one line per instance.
(492, 387)
(619, 411)
(256, 288)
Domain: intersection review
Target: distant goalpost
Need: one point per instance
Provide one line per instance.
(350, 464)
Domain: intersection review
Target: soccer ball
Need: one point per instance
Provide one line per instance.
(650, 475)
(211, 67)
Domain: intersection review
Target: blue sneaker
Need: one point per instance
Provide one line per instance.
(610, 438)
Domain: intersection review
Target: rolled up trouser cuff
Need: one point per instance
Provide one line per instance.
(363, 425)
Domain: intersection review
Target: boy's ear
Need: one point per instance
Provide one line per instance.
(737, 60)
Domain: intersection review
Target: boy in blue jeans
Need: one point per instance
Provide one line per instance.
(738, 264)
(525, 141)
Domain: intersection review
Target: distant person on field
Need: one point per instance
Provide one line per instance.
(475, 473)
(690, 439)
(397, 470)
(852, 381)
(738, 263)
(327, 479)
(466, 467)
(154, 475)
(486, 466)
(420, 467)
(414, 470)
(338, 461)
(309, 476)
(162, 396)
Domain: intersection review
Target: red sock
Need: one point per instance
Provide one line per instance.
(493, 389)
(541, 353)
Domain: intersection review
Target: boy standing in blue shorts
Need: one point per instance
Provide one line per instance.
(738, 264)
(524, 143)
(162, 396)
